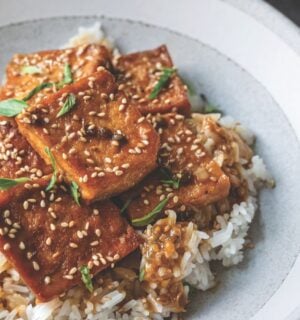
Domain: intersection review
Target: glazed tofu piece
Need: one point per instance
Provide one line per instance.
(48, 238)
(187, 176)
(17, 158)
(102, 143)
(27, 71)
(138, 74)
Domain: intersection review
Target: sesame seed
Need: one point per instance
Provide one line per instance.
(43, 204)
(141, 119)
(73, 245)
(103, 261)
(85, 178)
(25, 205)
(22, 245)
(48, 241)
(98, 232)
(35, 265)
(119, 172)
(79, 234)
(125, 165)
(87, 225)
(71, 224)
(47, 280)
(64, 224)
(94, 243)
(121, 107)
(107, 160)
(175, 199)
(73, 270)
(52, 227)
(6, 247)
(68, 277)
(95, 212)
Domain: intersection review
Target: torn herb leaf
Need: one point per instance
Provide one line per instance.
(8, 183)
(68, 105)
(125, 206)
(30, 70)
(75, 192)
(142, 275)
(68, 77)
(86, 278)
(162, 82)
(144, 221)
(12, 107)
(37, 89)
(54, 175)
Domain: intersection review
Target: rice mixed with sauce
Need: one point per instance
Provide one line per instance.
(176, 251)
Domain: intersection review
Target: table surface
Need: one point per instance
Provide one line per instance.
(290, 8)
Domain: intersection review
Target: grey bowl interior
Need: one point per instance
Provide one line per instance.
(244, 289)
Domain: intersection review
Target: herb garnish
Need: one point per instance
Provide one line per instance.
(68, 78)
(126, 204)
(30, 70)
(170, 180)
(162, 82)
(12, 107)
(68, 105)
(37, 89)
(209, 108)
(142, 275)
(54, 175)
(75, 192)
(8, 183)
(86, 278)
(141, 222)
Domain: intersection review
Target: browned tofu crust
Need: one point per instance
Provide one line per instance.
(17, 158)
(103, 143)
(139, 72)
(47, 237)
(182, 158)
(84, 60)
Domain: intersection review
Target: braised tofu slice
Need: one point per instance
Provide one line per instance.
(48, 238)
(187, 176)
(138, 73)
(102, 143)
(28, 71)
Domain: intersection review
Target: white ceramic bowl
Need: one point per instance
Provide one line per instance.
(248, 70)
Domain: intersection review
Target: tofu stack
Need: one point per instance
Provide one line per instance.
(90, 131)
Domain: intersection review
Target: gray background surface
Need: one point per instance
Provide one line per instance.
(290, 8)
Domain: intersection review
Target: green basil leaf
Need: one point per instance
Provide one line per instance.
(75, 192)
(8, 183)
(86, 278)
(30, 70)
(144, 221)
(68, 77)
(68, 105)
(162, 82)
(12, 107)
(38, 89)
(54, 175)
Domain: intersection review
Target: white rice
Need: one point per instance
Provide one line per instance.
(225, 245)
